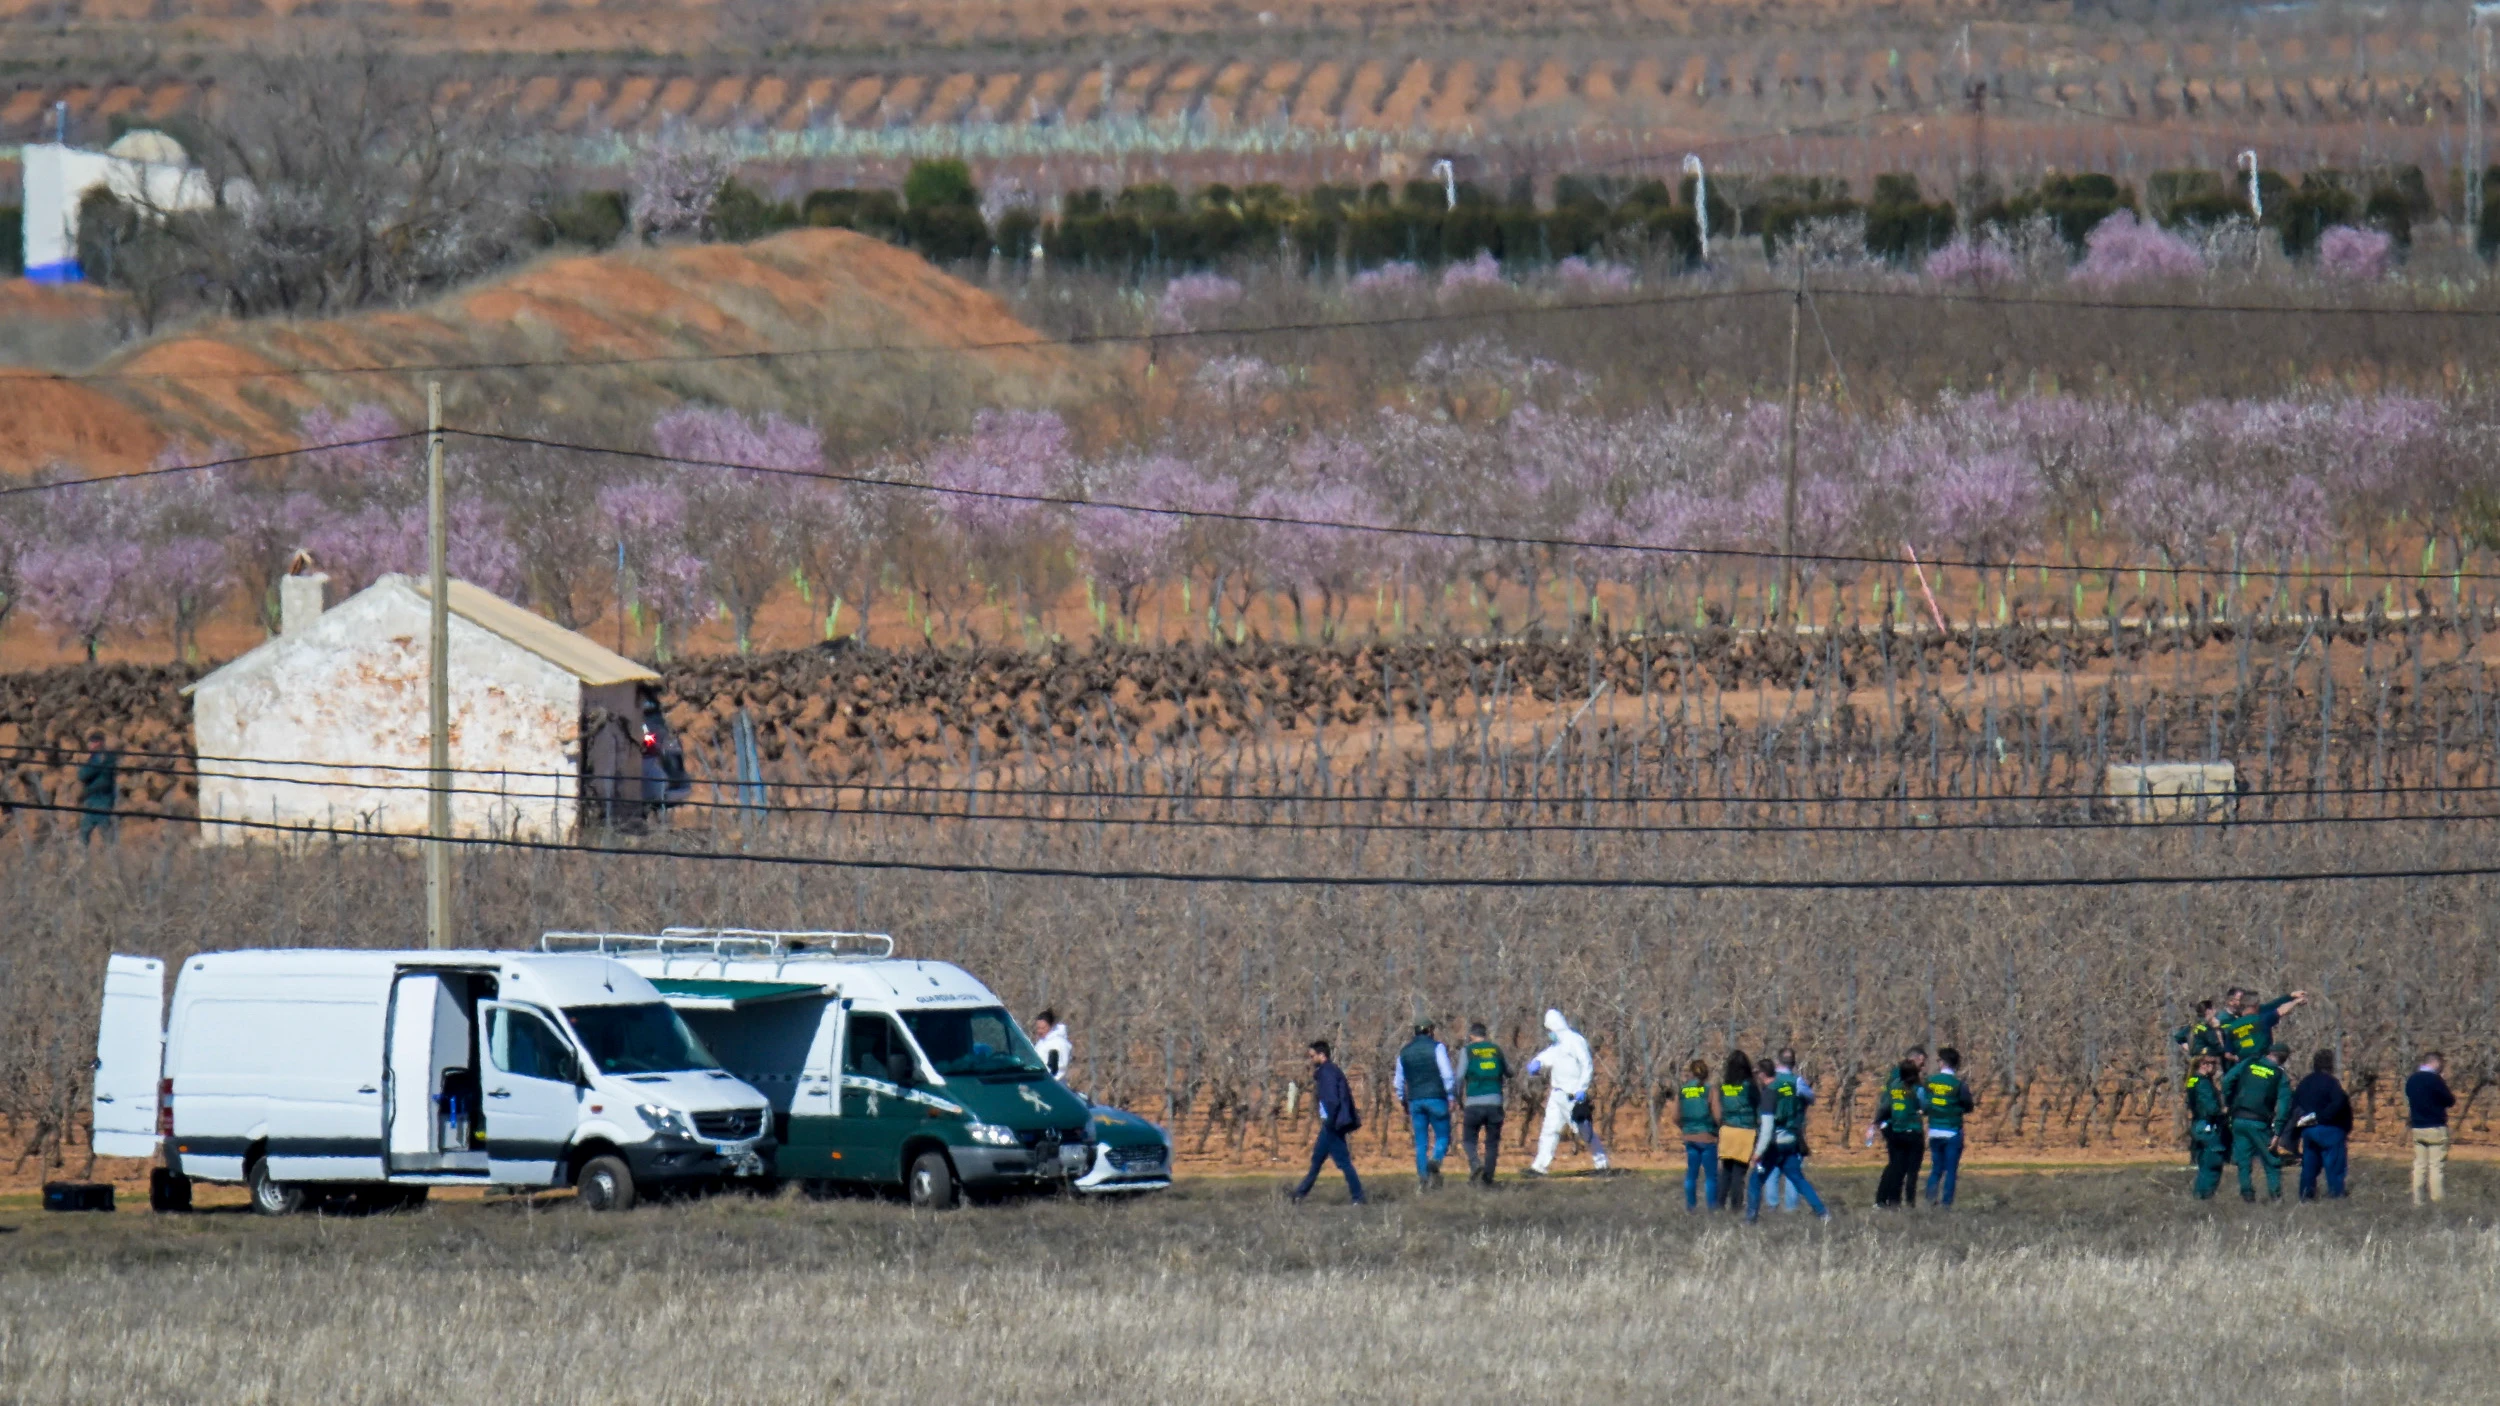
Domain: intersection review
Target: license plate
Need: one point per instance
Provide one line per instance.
(725, 1149)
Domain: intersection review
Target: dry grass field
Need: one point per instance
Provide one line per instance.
(2105, 1286)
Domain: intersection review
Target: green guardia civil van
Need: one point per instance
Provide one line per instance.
(885, 1071)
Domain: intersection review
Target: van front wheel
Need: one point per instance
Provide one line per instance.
(605, 1184)
(271, 1197)
(932, 1182)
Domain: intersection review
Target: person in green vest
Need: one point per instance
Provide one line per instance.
(2208, 1125)
(2203, 1035)
(1423, 1083)
(1949, 1101)
(1901, 1116)
(1736, 1126)
(1484, 1078)
(1779, 1141)
(1697, 1117)
(2249, 1030)
(2258, 1097)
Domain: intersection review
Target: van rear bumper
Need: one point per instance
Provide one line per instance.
(666, 1159)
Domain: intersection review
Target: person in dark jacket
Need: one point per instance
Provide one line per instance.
(2427, 1101)
(1337, 1120)
(2258, 1096)
(1484, 1080)
(99, 789)
(1900, 1115)
(2323, 1114)
(1423, 1083)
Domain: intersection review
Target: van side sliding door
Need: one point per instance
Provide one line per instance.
(533, 1095)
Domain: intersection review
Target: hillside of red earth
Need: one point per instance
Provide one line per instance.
(675, 322)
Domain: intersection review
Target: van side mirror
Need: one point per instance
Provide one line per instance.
(900, 1070)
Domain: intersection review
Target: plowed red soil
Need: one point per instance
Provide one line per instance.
(664, 314)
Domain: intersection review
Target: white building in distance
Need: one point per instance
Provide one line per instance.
(147, 170)
(324, 726)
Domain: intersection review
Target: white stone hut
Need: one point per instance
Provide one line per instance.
(325, 725)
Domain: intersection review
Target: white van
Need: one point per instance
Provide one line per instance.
(364, 1078)
(884, 1071)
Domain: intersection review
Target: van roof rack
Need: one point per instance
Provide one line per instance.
(791, 945)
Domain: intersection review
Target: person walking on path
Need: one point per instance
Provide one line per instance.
(1337, 1122)
(1900, 1118)
(1697, 1117)
(1051, 1042)
(2209, 1127)
(1779, 1142)
(2258, 1096)
(99, 790)
(2427, 1101)
(2323, 1113)
(1568, 1067)
(2249, 1031)
(1949, 1101)
(1736, 1126)
(1422, 1084)
(1484, 1079)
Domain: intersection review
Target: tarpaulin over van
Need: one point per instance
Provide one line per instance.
(688, 993)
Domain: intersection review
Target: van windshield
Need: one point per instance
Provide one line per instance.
(980, 1041)
(646, 1039)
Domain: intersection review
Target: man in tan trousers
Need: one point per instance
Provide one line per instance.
(2427, 1102)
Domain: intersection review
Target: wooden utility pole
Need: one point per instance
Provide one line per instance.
(438, 682)
(1788, 450)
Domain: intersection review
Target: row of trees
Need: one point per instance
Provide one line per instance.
(1486, 440)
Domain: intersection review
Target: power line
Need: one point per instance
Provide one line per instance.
(32, 753)
(1033, 342)
(1090, 339)
(1438, 534)
(1381, 881)
(1489, 828)
(227, 463)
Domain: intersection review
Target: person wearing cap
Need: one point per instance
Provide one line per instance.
(2209, 1134)
(1484, 1085)
(1423, 1083)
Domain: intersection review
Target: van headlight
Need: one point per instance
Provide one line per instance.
(663, 1121)
(992, 1135)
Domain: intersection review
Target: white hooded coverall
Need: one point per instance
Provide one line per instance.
(1056, 1050)
(1568, 1068)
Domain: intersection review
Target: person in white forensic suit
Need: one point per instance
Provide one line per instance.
(1050, 1041)
(1568, 1068)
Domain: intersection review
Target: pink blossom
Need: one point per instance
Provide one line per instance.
(1190, 301)
(1479, 273)
(1593, 280)
(2350, 255)
(2122, 250)
(1013, 452)
(1395, 279)
(1978, 264)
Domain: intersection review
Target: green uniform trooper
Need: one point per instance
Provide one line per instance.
(1736, 1110)
(2208, 1129)
(1693, 1117)
(2246, 1036)
(2258, 1096)
(2201, 1039)
(1904, 1106)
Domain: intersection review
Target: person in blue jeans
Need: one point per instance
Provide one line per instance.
(1423, 1083)
(2323, 1113)
(1779, 1143)
(1949, 1101)
(1697, 1117)
(1337, 1121)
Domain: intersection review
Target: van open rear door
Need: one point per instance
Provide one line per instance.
(129, 1057)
